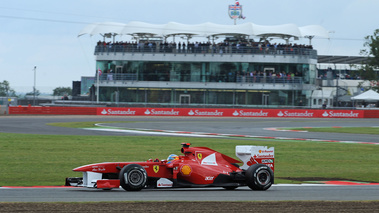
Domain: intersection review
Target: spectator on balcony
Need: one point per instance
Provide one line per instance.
(65, 97)
(275, 48)
(150, 45)
(184, 47)
(251, 76)
(288, 77)
(110, 75)
(196, 47)
(267, 47)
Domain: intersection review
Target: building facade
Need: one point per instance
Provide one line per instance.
(233, 65)
(244, 74)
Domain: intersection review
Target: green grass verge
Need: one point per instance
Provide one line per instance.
(28, 160)
(352, 130)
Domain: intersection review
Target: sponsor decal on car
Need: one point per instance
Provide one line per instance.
(209, 178)
(266, 151)
(164, 182)
(264, 156)
(267, 161)
(186, 170)
(98, 168)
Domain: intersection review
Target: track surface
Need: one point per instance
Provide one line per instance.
(275, 193)
(237, 126)
(243, 126)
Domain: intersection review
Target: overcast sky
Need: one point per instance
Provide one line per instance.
(43, 33)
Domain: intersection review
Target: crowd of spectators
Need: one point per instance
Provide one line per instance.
(255, 76)
(262, 77)
(204, 47)
(326, 74)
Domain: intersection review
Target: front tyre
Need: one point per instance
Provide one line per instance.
(259, 177)
(133, 177)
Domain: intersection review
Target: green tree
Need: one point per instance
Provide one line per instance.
(32, 93)
(60, 91)
(6, 90)
(369, 71)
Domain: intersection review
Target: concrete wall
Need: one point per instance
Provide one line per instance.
(3, 110)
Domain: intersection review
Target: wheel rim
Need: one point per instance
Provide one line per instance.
(135, 177)
(263, 177)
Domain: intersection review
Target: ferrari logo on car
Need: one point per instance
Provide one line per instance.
(156, 168)
(199, 155)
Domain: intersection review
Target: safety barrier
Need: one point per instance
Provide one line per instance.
(194, 112)
(41, 110)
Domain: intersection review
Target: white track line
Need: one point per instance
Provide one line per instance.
(202, 134)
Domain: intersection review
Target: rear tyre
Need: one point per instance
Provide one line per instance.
(259, 177)
(133, 177)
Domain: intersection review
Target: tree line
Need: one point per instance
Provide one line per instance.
(7, 91)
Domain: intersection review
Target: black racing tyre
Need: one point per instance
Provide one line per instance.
(133, 177)
(259, 177)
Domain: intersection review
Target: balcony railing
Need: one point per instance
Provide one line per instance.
(197, 78)
(211, 49)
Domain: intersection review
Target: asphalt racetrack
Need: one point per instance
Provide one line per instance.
(236, 126)
(282, 192)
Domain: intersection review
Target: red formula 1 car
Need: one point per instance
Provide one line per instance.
(197, 167)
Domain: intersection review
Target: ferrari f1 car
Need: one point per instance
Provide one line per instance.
(196, 167)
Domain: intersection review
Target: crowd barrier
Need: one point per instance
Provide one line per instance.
(195, 112)
(41, 110)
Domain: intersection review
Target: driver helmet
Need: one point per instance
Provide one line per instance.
(172, 157)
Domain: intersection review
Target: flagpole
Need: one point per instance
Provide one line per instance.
(97, 88)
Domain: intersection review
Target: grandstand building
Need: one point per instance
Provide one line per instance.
(204, 65)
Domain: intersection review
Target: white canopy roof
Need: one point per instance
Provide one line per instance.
(205, 29)
(369, 95)
(323, 94)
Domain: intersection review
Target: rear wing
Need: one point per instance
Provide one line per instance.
(251, 155)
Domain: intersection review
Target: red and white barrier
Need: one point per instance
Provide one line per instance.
(196, 112)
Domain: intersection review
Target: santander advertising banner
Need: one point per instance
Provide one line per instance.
(213, 112)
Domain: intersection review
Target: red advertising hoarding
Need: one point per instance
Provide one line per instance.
(195, 112)
(219, 112)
